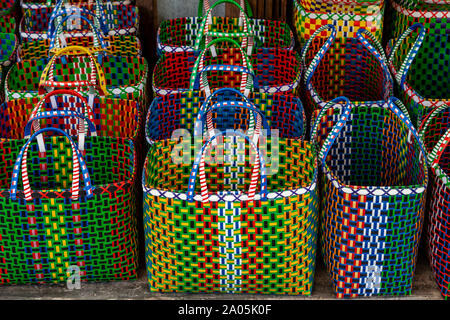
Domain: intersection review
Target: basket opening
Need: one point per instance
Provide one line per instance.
(347, 69)
(108, 160)
(373, 150)
(295, 169)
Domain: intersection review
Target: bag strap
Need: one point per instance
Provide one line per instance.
(204, 6)
(20, 167)
(406, 64)
(199, 168)
(199, 65)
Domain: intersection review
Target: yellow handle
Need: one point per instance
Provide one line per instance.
(75, 51)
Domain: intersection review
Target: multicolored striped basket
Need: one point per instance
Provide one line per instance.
(375, 178)
(420, 64)
(226, 242)
(435, 20)
(435, 134)
(114, 45)
(176, 114)
(34, 4)
(189, 33)
(352, 67)
(76, 68)
(272, 70)
(115, 20)
(347, 18)
(51, 227)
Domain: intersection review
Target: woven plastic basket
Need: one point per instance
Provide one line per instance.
(76, 68)
(435, 20)
(38, 24)
(189, 33)
(177, 114)
(352, 67)
(435, 134)
(347, 18)
(375, 179)
(60, 210)
(230, 236)
(420, 64)
(274, 70)
(114, 45)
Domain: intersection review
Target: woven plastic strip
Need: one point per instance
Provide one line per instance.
(352, 67)
(188, 34)
(123, 77)
(420, 64)
(375, 178)
(34, 4)
(227, 234)
(49, 229)
(276, 70)
(435, 133)
(313, 4)
(347, 19)
(175, 115)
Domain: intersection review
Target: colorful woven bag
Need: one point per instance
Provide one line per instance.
(263, 242)
(50, 226)
(38, 24)
(347, 18)
(34, 4)
(435, 20)
(76, 68)
(435, 135)
(352, 67)
(375, 179)
(420, 65)
(178, 113)
(190, 33)
(275, 70)
(114, 45)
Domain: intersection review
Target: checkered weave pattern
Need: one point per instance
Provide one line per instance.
(352, 67)
(435, 134)
(96, 231)
(6, 7)
(434, 20)
(179, 112)
(8, 48)
(313, 4)
(374, 187)
(230, 245)
(420, 64)
(34, 4)
(347, 19)
(431, 5)
(276, 70)
(7, 24)
(125, 77)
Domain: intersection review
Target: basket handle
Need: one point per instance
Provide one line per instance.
(204, 107)
(199, 65)
(246, 87)
(406, 64)
(320, 54)
(97, 78)
(198, 128)
(247, 42)
(20, 167)
(199, 167)
(59, 11)
(392, 104)
(204, 6)
(99, 43)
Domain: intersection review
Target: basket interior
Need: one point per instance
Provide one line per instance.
(429, 74)
(112, 117)
(179, 111)
(119, 72)
(436, 129)
(373, 150)
(295, 169)
(347, 69)
(272, 67)
(183, 31)
(108, 160)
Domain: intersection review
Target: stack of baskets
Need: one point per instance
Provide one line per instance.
(70, 131)
(250, 225)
